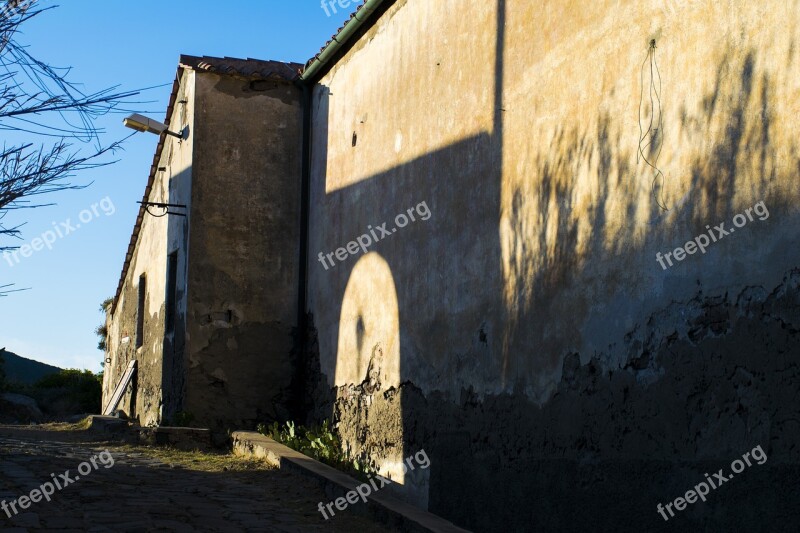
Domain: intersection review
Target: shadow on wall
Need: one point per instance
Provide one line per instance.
(173, 382)
(370, 301)
(612, 433)
(372, 298)
(155, 393)
(558, 251)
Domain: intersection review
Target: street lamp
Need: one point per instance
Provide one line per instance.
(142, 123)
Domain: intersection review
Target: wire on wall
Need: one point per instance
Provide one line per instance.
(653, 136)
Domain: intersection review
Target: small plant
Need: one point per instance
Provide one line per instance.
(102, 331)
(105, 304)
(319, 442)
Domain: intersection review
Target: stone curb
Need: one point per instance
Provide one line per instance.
(383, 507)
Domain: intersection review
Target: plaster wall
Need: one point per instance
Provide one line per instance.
(244, 253)
(155, 395)
(525, 335)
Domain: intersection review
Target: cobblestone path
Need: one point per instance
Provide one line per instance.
(142, 492)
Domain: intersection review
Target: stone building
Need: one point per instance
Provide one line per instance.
(208, 295)
(495, 257)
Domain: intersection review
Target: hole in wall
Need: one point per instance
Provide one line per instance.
(360, 330)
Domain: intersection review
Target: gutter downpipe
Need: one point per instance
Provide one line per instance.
(298, 400)
(305, 82)
(340, 39)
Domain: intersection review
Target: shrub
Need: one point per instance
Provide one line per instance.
(2, 373)
(69, 391)
(319, 442)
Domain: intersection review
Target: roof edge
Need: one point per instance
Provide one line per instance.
(359, 18)
(250, 69)
(176, 84)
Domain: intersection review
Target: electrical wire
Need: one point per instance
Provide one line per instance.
(165, 213)
(655, 134)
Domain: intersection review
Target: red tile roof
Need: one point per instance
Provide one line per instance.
(244, 68)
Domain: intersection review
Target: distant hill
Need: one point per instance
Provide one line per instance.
(25, 371)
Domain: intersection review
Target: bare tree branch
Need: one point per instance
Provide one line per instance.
(37, 103)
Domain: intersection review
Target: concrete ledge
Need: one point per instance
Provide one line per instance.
(108, 424)
(181, 438)
(383, 507)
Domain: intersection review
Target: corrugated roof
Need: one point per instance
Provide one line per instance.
(254, 69)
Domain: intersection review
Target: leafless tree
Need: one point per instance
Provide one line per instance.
(45, 114)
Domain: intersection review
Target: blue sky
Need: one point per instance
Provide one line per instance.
(133, 45)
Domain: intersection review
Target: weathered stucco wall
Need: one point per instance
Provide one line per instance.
(245, 235)
(156, 392)
(525, 334)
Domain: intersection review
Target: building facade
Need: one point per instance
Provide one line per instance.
(207, 300)
(552, 245)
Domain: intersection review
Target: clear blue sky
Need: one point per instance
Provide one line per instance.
(132, 44)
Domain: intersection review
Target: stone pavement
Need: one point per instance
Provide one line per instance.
(144, 493)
